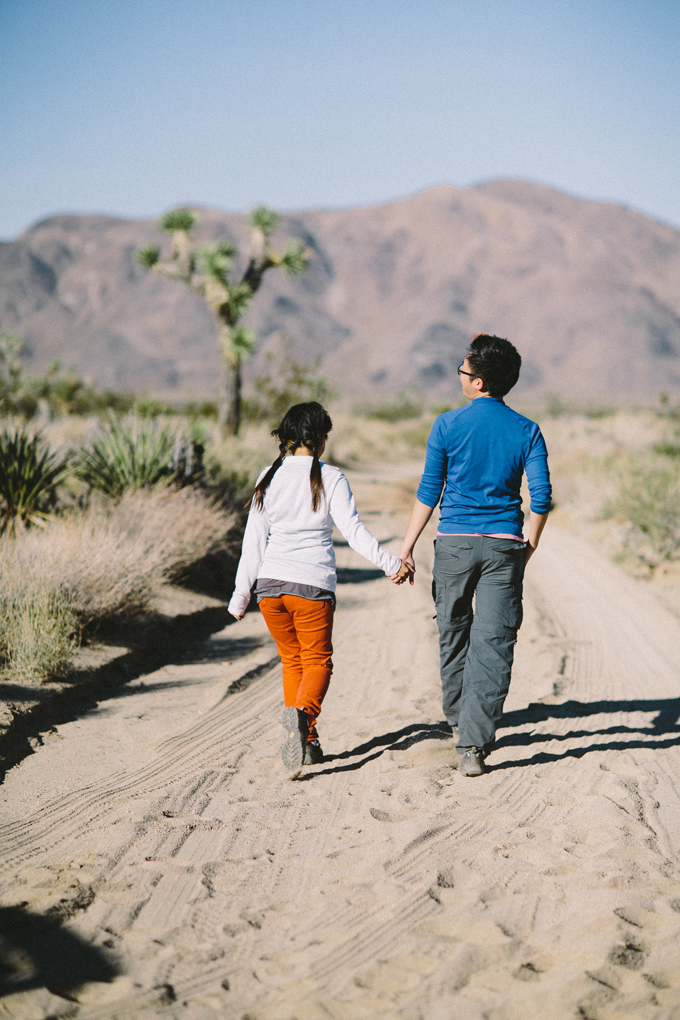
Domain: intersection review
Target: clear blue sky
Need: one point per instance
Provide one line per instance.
(132, 106)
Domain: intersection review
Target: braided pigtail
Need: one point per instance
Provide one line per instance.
(315, 479)
(257, 498)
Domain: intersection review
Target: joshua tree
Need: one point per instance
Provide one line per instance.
(207, 270)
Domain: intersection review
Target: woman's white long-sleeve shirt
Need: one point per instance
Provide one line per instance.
(288, 541)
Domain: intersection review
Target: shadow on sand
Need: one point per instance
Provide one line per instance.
(36, 952)
(397, 740)
(665, 723)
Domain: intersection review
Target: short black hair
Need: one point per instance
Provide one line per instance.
(496, 361)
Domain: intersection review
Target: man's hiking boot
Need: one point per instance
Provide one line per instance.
(313, 753)
(471, 762)
(293, 748)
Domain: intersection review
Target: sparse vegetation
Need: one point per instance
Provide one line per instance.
(286, 383)
(400, 408)
(617, 480)
(29, 478)
(130, 455)
(38, 635)
(667, 449)
(108, 560)
(207, 269)
(105, 562)
(55, 392)
(649, 500)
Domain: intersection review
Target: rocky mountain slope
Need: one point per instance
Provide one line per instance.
(589, 292)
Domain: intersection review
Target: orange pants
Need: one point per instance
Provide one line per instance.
(302, 629)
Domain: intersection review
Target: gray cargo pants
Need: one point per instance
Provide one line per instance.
(476, 649)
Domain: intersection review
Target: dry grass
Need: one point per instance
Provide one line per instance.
(110, 559)
(38, 636)
(107, 561)
(614, 483)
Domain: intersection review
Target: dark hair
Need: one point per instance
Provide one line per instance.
(495, 361)
(303, 425)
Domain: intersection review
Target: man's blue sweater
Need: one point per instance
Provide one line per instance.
(480, 452)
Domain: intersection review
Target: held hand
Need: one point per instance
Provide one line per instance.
(408, 561)
(405, 571)
(528, 553)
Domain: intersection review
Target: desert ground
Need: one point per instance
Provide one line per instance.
(194, 879)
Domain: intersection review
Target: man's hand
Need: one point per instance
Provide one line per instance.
(410, 563)
(536, 526)
(420, 515)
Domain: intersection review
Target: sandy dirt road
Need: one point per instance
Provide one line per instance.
(161, 831)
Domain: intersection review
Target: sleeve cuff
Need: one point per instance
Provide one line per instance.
(238, 604)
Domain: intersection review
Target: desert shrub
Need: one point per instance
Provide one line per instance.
(122, 456)
(38, 635)
(554, 405)
(58, 392)
(649, 500)
(207, 409)
(110, 559)
(399, 408)
(286, 383)
(597, 413)
(233, 464)
(68, 393)
(667, 449)
(29, 478)
(416, 438)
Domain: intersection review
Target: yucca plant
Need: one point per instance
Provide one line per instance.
(128, 456)
(29, 477)
(207, 270)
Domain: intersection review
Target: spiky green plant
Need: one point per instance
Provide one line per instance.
(127, 456)
(294, 259)
(178, 219)
(29, 478)
(207, 270)
(264, 219)
(215, 258)
(148, 255)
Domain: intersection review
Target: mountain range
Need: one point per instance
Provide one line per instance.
(589, 292)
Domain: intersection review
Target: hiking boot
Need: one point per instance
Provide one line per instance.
(313, 753)
(293, 748)
(471, 762)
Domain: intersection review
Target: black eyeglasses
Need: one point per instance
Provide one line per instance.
(461, 371)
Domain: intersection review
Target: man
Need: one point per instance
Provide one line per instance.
(477, 455)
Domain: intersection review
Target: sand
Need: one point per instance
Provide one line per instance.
(162, 829)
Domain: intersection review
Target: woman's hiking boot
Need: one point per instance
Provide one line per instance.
(313, 753)
(293, 749)
(471, 762)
